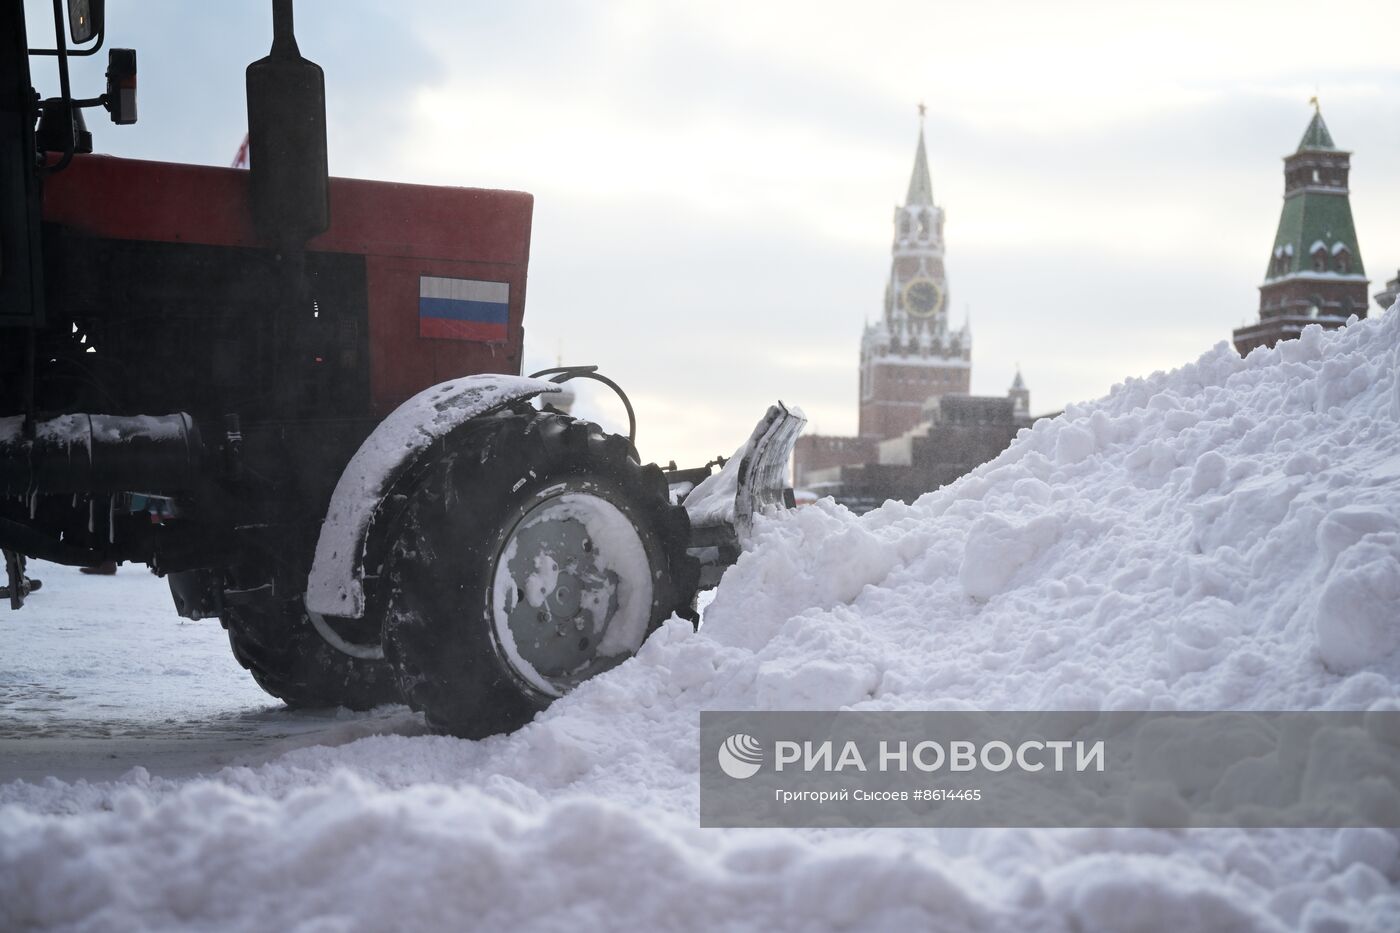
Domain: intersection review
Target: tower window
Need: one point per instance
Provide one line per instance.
(1316, 176)
(1319, 262)
(1341, 258)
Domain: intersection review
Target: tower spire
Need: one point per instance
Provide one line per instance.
(1316, 135)
(1020, 396)
(920, 187)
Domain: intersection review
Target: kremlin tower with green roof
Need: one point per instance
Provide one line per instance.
(1315, 275)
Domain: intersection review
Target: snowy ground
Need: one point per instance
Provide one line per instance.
(99, 675)
(1225, 536)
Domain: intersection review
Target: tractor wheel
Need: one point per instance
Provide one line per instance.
(535, 553)
(279, 647)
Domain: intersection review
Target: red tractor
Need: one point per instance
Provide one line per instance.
(296, 397)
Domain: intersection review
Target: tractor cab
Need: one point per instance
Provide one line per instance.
(39, 138)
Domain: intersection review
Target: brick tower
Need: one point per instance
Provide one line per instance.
(1315, 274)
(911, 356)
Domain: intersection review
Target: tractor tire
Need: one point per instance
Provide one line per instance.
(534, 553)
(277, 644)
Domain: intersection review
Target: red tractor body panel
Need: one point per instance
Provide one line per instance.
(404, 232)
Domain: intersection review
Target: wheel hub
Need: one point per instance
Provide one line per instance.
(572, 591)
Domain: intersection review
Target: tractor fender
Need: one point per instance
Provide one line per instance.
(336, 584)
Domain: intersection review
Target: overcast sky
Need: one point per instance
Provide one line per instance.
(714, 182)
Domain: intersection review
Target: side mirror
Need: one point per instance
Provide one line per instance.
(121, 85)
(84, 20)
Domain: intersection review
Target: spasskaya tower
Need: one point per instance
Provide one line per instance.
(912, 356)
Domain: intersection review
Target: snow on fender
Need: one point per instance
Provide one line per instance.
(336, 583)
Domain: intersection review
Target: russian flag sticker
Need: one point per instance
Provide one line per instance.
(462, 309)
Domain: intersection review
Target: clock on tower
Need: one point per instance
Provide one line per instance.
(922, 297)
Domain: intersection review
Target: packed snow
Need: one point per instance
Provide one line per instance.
(1224, 536)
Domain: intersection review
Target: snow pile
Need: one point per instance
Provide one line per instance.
(1225, 536)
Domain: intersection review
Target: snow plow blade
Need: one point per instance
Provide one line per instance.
(722, 507)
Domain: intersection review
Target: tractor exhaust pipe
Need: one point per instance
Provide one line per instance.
(86, 454)
(290, 177)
